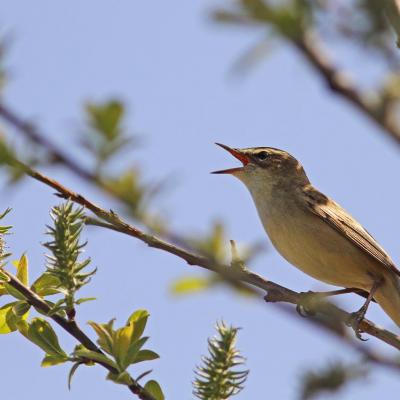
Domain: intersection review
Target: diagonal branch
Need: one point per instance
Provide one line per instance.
(31, 133)
(35, 136)
(275, 292)
(380, 113)
(72, 328)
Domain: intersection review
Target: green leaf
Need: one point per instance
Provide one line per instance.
(146, 355)
(154, 389)
(57, 306)
(4, 229)
(190, 284)
(123, 378)
(8, 319)
(4, 277)
(42, 334)
(129, 188)
(122, 340)
(84, 300)
(22, 269)
(13, 292)
(136, 315)
(106, 118)
(94, 356)
(139, 319)
(8, 210)
(143, 374)
(133, 350)
(72, 373)
(46, 285)
(105, 335)
(23, 328)
(3, 290)
(21, 308)
(49, 361)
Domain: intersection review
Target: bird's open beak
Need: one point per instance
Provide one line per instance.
(237, 154)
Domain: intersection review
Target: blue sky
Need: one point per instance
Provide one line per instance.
(172, 66)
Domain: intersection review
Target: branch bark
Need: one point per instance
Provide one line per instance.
(72, 328)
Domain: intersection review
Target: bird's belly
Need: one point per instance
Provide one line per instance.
(321, 252)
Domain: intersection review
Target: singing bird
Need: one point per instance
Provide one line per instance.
(314, 233)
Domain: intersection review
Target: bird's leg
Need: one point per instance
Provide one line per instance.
(330, 293)
(304, 307)
(356, 317)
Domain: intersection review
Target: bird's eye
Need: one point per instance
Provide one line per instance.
(262, 155)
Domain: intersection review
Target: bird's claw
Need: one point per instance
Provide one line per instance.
(354, 322)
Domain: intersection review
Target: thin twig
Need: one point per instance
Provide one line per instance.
(72, 328)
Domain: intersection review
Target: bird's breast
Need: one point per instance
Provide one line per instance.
(310, 244)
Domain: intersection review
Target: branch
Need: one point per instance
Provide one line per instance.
(36, 137)
(275, 292)
(72, 328)
(379, 113)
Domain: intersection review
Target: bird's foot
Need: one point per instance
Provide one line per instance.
(306, 306)
(355, 320)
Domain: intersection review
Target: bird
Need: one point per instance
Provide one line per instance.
(313, 232)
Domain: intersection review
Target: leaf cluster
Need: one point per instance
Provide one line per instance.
(105, 138)
(63, 264)
(123, 347)
(218, 378)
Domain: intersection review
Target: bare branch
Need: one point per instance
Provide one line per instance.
(339, 83)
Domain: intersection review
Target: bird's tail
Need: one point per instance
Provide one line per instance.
(388, 297)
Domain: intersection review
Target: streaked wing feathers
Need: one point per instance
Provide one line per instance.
(339, 219)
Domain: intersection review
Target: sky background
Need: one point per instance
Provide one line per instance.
(172, 66)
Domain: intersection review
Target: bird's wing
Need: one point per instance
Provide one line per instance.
(334, 215)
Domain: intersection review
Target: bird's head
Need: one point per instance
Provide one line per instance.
(265, 167)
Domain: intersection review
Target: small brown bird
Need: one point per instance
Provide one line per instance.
(313, 232)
